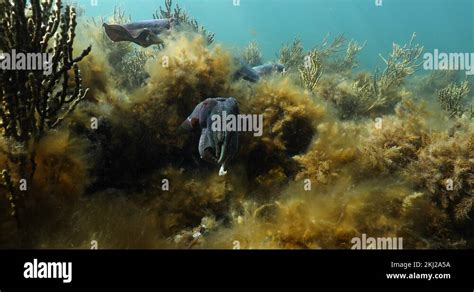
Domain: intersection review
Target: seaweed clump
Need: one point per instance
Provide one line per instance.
(290, 121)
(444, 172)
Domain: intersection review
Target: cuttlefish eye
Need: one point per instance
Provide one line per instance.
(194, 122)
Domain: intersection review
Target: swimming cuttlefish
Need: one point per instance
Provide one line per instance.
(217, 145)
(253, 74)
(144, 33)
(268, 69)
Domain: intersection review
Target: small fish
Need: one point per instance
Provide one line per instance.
(217, 147)
(144, 33)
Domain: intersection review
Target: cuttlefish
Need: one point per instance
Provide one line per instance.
(144, 33)
(268, 69)
(253, 74)
(217, 145)
(245, 71)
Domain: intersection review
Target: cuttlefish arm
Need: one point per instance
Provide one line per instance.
(217, 147)
(144, 33)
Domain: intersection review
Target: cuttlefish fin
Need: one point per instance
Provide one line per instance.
(143, 37)
(188, 125)
(117, 33)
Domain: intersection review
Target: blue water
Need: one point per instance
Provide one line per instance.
(446, 25)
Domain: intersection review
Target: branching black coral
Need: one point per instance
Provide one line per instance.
(80, 9)
(33, 101)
